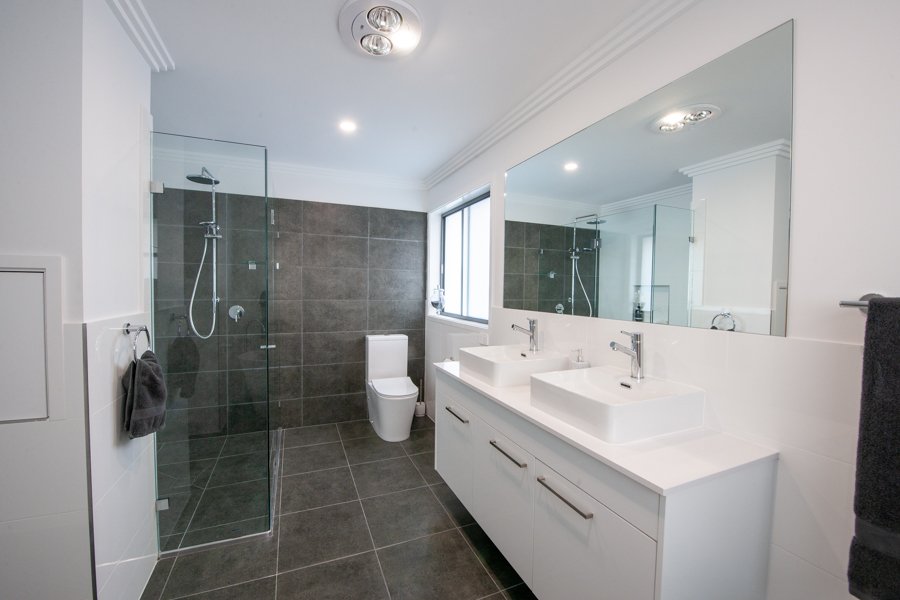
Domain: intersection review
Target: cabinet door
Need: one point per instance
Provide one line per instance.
(502, 503)
(453, 446)
(582, 550)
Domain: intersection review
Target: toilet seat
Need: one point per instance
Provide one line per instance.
(395, 387)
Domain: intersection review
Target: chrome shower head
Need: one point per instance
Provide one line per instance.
(204, 178)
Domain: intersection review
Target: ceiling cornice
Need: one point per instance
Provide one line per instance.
(780, 148)
(646, 200)
(140, 28)
(632, 31)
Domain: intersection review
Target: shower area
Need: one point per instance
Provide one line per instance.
(217, 453)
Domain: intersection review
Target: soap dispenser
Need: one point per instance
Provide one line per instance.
(579, 362)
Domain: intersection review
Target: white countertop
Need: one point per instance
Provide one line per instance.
(663, 463)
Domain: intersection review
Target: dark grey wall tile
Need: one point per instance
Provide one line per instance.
(244, 351)
(334, 409)
(287, 283)
(512, 287)
(415, 339)
(396, 285)
(288, 249)
(288, 214)
(532, 235)
(532, 260)
(334, 315)
(287, 413)
(168, 207)
(530, 287)
(285, 316)
(193, 423)
(401, 314)
(335, 219)
(327, 380)
(397, 224)
(336, 347)
(514, 234)
(335, 251)
(553, 237)
(508, 303)
(513, 260)
(334, 284)
(195, 389)
(247, 385)
(288, 349)
(554, 260)
(285, 382)
(241, 246)
(415, 370)
(244, 282)
(242, 211)
(177, 244)
(244, 418)
(396, 254)
(177, 355)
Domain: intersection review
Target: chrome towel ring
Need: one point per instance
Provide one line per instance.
(137, 330)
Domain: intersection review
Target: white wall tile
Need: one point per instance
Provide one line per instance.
(791, 578)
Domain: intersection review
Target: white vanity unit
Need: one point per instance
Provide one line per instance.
(685, 516)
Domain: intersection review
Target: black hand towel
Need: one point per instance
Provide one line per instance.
(874, 570)
(145, 396)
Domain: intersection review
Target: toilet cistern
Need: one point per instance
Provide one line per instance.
(635, 352)
(531, 332)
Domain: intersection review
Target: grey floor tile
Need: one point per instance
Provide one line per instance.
(356, 429)
(492, 559)
(322, 534)
(316, 489)
(182, 477)
(246, 443)
(404, 516)
(355, 578)
(421, 440)
(386, 476)
(436, 567)
(425, 463)
(519, 592)
(228, 531)
(260, 589)
(313, 458)
(232, 503)
(218, 567)
(371, 448)
(170, 542)
(421, 423)
(199, 449)
(307, 436)
(181, 508)
(240, 468)
(448, 499)
(153, 589)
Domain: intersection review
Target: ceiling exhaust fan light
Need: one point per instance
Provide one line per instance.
(376, 45)
(669, 127)
(697, 116)
(384, 19)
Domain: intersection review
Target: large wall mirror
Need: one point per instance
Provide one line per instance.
(673, 210)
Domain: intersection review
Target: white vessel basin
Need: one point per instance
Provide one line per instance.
(606, 403)
(502, 366)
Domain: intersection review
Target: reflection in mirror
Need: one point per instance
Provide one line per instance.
(673, 210)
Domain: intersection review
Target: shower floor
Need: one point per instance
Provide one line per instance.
(358, 518)
(217, 487)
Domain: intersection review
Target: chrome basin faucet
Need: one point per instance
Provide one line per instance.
(531, 332)
(635, 352)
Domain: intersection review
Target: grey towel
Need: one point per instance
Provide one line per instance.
(145, 396)
(184, 361)
(874, 570)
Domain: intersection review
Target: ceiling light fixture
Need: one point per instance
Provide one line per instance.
(570, 166)
(347, 126)
(380, 27)
(676, 120)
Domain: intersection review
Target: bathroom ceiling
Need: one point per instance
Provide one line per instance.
(278, 73)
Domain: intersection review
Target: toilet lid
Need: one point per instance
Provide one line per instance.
(395, 386)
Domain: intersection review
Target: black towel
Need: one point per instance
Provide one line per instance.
(145, 396)
(874, 570)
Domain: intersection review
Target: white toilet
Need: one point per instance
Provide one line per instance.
(391, 394)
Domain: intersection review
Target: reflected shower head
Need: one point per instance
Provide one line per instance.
(204, 178)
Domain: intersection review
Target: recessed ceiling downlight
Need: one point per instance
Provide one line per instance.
(347, 126)
(570, 166)
(380, 27)
(676, 120)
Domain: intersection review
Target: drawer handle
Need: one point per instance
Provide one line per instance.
(516, 461)
(453, 412)
(584, 515)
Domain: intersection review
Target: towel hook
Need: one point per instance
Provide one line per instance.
(725, 316)
(137, 330)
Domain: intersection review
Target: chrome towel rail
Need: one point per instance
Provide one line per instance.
(137, 330)
(862, 304)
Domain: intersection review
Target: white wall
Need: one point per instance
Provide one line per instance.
(797, 394)
(44, 523)
(116, 228)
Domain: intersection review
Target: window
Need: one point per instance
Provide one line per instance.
(466, 259)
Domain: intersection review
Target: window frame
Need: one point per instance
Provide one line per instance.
(486, 195)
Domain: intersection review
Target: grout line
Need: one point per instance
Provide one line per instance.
(200, 500)
(387, 589)
(278, 514)
(168, 575)
(224, 587)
